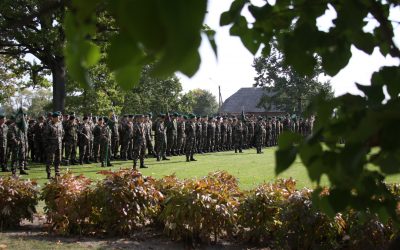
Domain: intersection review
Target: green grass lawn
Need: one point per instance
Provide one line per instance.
(250, 168)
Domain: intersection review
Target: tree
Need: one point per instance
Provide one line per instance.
(153, 94)
(368, 123)
(202, 102)
(35, 27)
(286, 89)
(104, 97)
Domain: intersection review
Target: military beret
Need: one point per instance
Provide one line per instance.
(150, 114)
(130, 116)
(269, 118)
(12, 117)
(85, 117)
(185, 117)
(191, 116)
(49, 114)
(71, 117)
(139, 116)
(100, 118)
(205, 116)
(210, 118)
(1, 116)
(125, 116)
(260, 118)
(55, 114)
(72, 113)
(176, 114)
(105, 118)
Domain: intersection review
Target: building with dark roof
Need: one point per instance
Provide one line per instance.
(247, 99)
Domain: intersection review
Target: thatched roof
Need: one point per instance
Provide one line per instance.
(247, 99)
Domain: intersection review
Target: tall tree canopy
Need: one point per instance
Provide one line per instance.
(35, 27)
(200, 102)
(286, 89)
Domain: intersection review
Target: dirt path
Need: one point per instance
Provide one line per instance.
(33, 235)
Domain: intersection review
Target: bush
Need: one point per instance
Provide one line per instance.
(365, 231)
(124, 201)
(302, 227)
(68, 203)
(18, 199)
(260, 209)
(196, 210)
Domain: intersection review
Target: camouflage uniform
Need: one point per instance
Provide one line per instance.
(38, 143)
(199, 140)
(31, 140)
(84, 132)
(217, 135)
(190, 140)
(161, 140)
(250, 135)
(139, 143)
(114, 139)
(181, 137)
(258, 134)
(210, 135)
(70, 141)
(172, 136)
(224, 135)
(102, 134)
(149, 137)
(3, 147)
(53, 134)
(204, 126)
(16, 139)
(237, 132)
(127, 135)
(229, 135)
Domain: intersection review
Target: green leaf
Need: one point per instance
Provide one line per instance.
(128, 76)
(123, 51)
(90, 54)
(288, 139)
(230, 16)
(374, 93)
(389, 76)
(183, 36)
(339, 198)
(284, 158)
(211, 39)
(336, 57)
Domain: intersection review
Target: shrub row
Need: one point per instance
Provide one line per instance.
(194, 210)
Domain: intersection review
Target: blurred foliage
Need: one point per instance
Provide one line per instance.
(368, 124)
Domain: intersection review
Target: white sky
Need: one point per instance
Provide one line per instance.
(233, 69)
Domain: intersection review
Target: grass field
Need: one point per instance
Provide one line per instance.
(250, 168)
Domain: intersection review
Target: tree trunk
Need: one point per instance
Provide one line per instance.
(299, 109)
(59, 80)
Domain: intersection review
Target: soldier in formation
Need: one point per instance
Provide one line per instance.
(55, 140)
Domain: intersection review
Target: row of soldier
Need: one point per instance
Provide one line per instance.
(103, 139)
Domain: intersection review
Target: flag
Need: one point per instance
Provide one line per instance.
(20, 120)
(243, 117)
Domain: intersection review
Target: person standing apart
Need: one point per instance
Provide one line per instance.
(53, 136)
